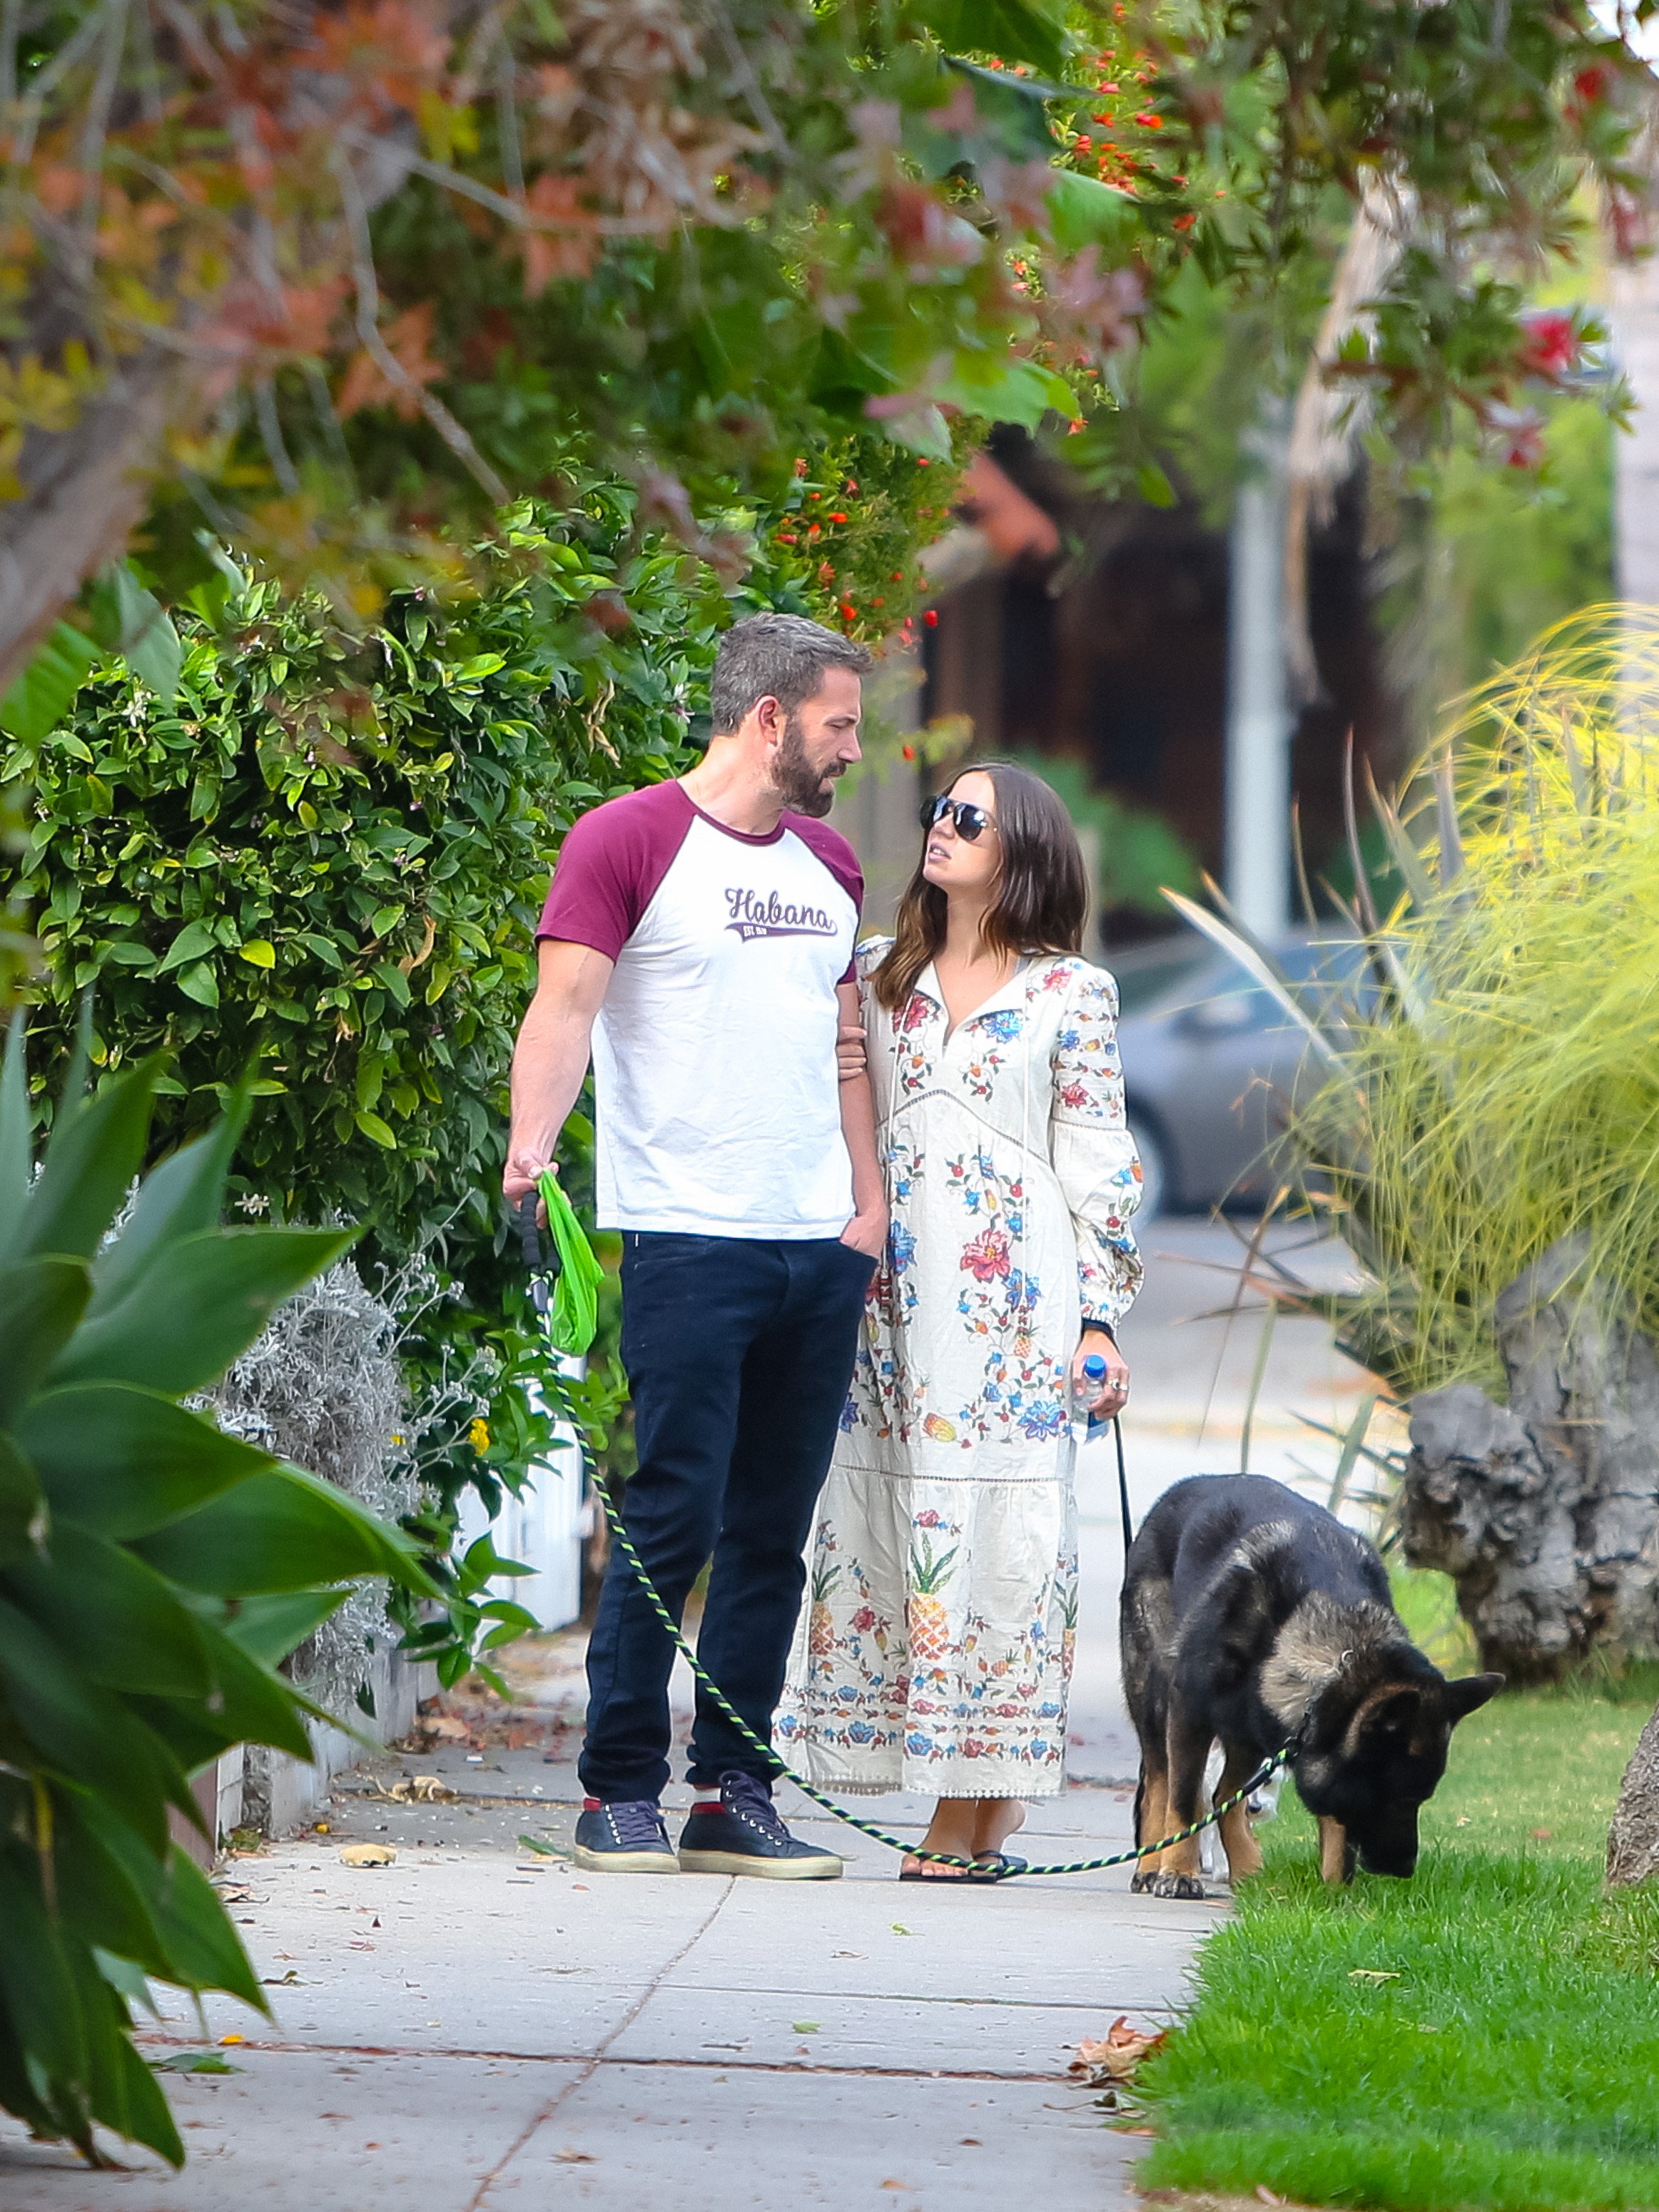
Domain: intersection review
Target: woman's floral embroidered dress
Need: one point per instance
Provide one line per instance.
(935, 1644)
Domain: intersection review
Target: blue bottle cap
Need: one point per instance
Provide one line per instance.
(1094, 1367)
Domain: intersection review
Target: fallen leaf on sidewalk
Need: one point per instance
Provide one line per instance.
(541, 1850)
(194, 2062)
(570, 2156)
(1114, 2057)
(896, 2184)
(278, 1981)
(805, 2027)
(899, 1928)
(444, 1725)
(368, 1855)
(419, 1790)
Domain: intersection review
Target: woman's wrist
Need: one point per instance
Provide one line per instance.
(1101, 1329)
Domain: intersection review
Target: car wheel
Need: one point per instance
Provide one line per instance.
(1154, 1170)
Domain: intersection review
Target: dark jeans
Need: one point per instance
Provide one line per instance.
(738, 1355)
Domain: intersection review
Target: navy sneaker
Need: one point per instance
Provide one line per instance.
(747, 1837)
(626, 1838)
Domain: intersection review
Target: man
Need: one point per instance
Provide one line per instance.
(702, 933)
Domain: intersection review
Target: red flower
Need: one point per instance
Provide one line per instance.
(931, 617)
(987, 1257)
(864, 1620)
(1550, 343)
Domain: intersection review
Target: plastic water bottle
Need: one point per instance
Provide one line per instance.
(1094, 1374)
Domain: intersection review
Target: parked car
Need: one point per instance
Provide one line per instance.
(1208, 1057)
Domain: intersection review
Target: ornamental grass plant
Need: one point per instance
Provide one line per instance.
(1485, 1082)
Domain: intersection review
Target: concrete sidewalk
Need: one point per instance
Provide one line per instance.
(630, 2040)
(676, 2044)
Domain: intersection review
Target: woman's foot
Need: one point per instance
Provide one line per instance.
(912, 1868)
(996, 1819)
(952, 1831)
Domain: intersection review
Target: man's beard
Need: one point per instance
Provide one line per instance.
(803, 789)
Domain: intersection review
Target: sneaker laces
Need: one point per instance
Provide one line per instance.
(637, 1824)
(743, 1793)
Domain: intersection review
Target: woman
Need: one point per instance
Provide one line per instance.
(935, 1643)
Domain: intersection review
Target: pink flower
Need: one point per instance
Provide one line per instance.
(1074, 1094)
(864, 1619)
(987, 1257)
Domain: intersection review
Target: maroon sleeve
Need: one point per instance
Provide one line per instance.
(830, 847)
(610, 865)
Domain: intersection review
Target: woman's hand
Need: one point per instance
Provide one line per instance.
(1111, 1393)
(851, 1057)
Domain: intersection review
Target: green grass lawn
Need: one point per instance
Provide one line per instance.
(1511, 2059)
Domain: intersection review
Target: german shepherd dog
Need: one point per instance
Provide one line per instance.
(1251, 1618)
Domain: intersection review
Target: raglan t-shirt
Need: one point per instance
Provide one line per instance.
(714, 1050)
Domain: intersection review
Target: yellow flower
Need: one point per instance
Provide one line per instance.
(478, 1435)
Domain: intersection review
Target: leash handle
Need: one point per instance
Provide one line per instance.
(537, 1259)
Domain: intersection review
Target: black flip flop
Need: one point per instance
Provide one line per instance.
(997, 1866)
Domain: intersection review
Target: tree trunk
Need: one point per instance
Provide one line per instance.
(1633, 1838)
(1546, 1512)
(85, 489)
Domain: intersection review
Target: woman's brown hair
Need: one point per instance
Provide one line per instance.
(1042, 893)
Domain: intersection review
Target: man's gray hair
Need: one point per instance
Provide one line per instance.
(781, 657)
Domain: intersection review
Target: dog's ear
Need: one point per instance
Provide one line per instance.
(1468, 1695)
(1392, 1712)
(1238, 1622)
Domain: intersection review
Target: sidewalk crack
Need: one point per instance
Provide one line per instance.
(580, 2079)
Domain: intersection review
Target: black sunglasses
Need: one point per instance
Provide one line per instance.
(971, 821)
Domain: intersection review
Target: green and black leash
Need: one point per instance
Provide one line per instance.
(563, 1295)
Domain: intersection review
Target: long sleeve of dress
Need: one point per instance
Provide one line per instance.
(1094, 1154)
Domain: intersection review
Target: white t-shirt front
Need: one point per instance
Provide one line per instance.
(715, 1051)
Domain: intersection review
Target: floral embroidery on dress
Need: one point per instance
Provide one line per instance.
(940, 1622)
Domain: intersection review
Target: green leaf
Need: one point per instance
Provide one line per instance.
(185, 1193)
(96, 1149)
(22, 1508)
(16, 1171)
(1083, 211)
(149, 644)
(113, 1616)
(1004, 389)
(252, 1704)
(86, 1733)
(1013, 30)
(205, 1949)
(124, 1462)
(258, 952)
(1153, 485)
(41, 2005)
(285, 1530)
(200, 983)
(195, 2061)
(45, 690)
(40, 1304)
(194, 1305)
(373, 1128)
(195, 938)
(269, 1628)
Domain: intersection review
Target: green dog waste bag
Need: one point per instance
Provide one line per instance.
(574, 1312)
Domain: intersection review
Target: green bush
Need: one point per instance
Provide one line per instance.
(152, 1572)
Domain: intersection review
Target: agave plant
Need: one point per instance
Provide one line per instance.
(152, 1572)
